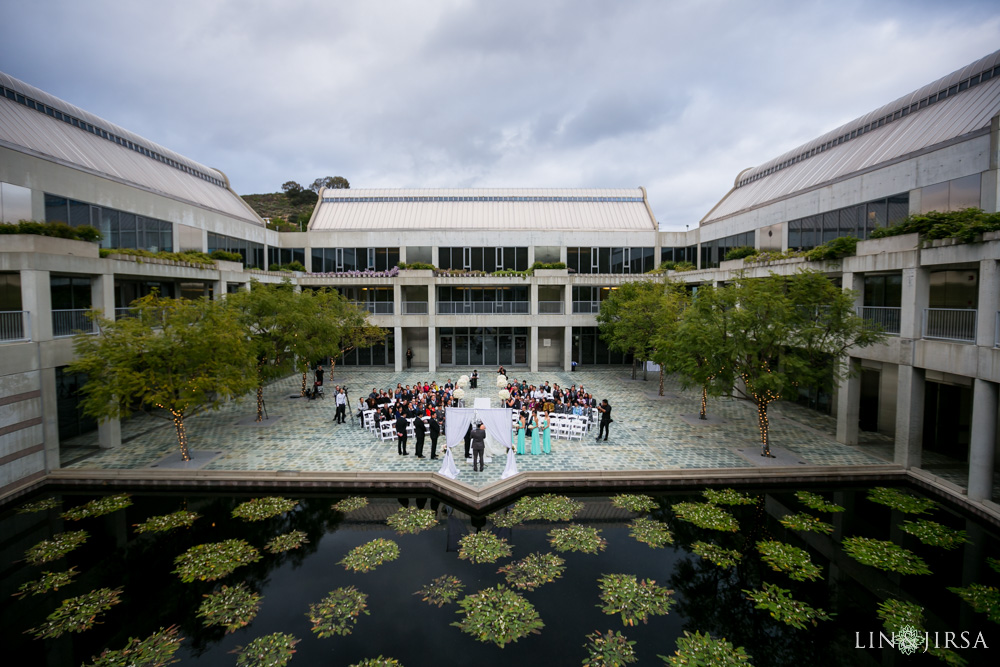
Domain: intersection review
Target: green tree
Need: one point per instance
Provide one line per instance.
(332, 182)
(297, 195)
(631, 317)
(173, 359)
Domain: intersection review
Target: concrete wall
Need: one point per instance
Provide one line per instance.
(551, 356)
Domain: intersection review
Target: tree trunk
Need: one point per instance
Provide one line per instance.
(304, 373)
(633, 368)
(260, 402)
(181, 435)
(765, 441)
(704, 401)
(661, 379)
(645, 371)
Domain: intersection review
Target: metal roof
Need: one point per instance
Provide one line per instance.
(92, 144)
(941, 111)
(618, 209)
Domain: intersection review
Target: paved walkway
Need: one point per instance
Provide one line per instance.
(649, 432)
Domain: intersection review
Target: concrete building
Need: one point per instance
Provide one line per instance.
(932, 387)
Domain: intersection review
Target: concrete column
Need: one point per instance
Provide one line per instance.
(533, 297)
(909, 416)
(431, 350)
(989, 300)
(533, 348)
(36, 298)
(50, 417)
(563, 254)
(102, 291)
(308, 259)
(431, 302)
(915, 297)
(567, 349)
(567, 299)
(531, 255)
(856, 283)
(397, 300)
(984, 437)
(435, 256)
(402, 254)
(849, 405)
(397, 333)
(109, 434)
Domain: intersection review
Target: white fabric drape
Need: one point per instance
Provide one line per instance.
(456, 423)
(448, 467)
(511, 468)
(497, 423)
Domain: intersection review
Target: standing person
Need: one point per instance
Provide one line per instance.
(319, 374)
(546, 433)
(419, 428)
(362, 406)
(605, 409)
(536, 447)
(474, 380)
(478, 446)
(401, 434)
(501, 370)
(409, 356)
(435, 431)
(341, 415)
(468, 441)
(521, 426)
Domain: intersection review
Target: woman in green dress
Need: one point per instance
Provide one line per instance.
(520, 433)
(536, 447)
(546, 433)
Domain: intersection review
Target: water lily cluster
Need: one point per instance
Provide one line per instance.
(533, 570)
(286, 542)
(483, 548)
(632, 599)
(704, 650)
(38, 506)
(378, 662)
(727, 497)
(338, 612)
(442, 590)
(410, 520)
(49, 581)
(651, 532)
(259, 509)
(984, 599)
(498, 615)
(814, 501)
(574, 537)
(611, 648)
(934, 534)
(98, 507)
(806, 522)
(716, 554)
(634, 502)
(706, 515)
(155, 650)
(273, 650)
(368, 556)
(231, 607)
(546, 507)
(783, 557)
(351, 504)
(884, 555)
(214, 560)
(61, 544)
(779, 602)
(900, 500)
(165, 522)
(78, 613)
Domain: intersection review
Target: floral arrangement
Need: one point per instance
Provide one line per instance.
(634, 502)
(634, 600)
(814, 501)
(338, 612)
(165, 522)
(274, 650)
(779, 602)
(78, 614)
(501, 381)
(533, 570)
(899, 500)
(286, 542)
(503, 394)
(231, 607)
(259, 509)
(441, 591)
(806, 522)
(38, 506)
(651, 532)
(155, 650)
(884, 555)
(458, 394)
(706, 515)
(984, 599)
(98, 507)
(575, 537)
(483, 548)
(463, 381)
(701, 650)
(727, 497)
(214, 560)
(783, 557)
(378, 662)
(934, 534)
(716, 554)
(612, 648)
(49, 581)
(370, 555)
(61, 544)
(351, 504)
(498, 615)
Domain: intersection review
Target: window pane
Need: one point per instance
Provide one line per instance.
(964, 193)
(616, 260)
(604, 260)
(934, 198)
(56, 209)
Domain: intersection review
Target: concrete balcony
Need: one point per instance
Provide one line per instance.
(15, 326)
(884, 318)
(953, 324)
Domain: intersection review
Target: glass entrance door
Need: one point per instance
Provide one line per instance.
(447, 357)
(520, 349)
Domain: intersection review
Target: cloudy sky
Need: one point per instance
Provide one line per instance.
(674, 95)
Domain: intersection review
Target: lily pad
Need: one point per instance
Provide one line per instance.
(900, 500)
(651, 532)
(612, 648)
(814, 501)
(286, 542)
(634, 503)
(231, 607)
(934, 534)
(716, 554)
(575, 537)
(779, 602)
(61, 544)
(984, 599)
(49, 581)
(165, 522)
(806, 522)
(368, 556)
(98, 507)
(79, 613)
(214, 560)
(410, 520)
(441, 591)
(884, 555)
(706, 515)
(378, 662)
(703, 650)
(783, 557)
(274, 650)
(259, 509)
(155, 650)
(38, 506)
(338, 612)
(483, 548)
(547, 507)
(498, 615)
(351, 504)
(727, 497)
(533, 570)
(634, 600)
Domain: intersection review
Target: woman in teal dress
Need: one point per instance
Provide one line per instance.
(546, 433)
(520, 434)
(536, 447)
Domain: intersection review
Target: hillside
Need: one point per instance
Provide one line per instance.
(276, 205)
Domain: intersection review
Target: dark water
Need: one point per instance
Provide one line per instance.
(400, 625)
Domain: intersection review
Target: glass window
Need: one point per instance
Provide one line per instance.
(934, 198)
(617, 255)
(16, 202)
(604, 260)
(964, 193)
(56, 209)
(795, 234)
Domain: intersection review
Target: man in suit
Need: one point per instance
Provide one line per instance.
(478, 446)
(605, 409)
(435, 431)
(419, 429)
(468, 441)
(401, 425)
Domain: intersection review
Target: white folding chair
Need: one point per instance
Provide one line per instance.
(576, 429)
(388, 430)
(369, 420)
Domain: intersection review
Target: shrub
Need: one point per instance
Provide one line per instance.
(964, 225)
(843, 246)
(56, 229)
(684, 266)
(227, 256)
(741, 252)
(416, 266)
(550, 265)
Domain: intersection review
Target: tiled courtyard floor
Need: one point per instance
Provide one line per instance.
(648, 433)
